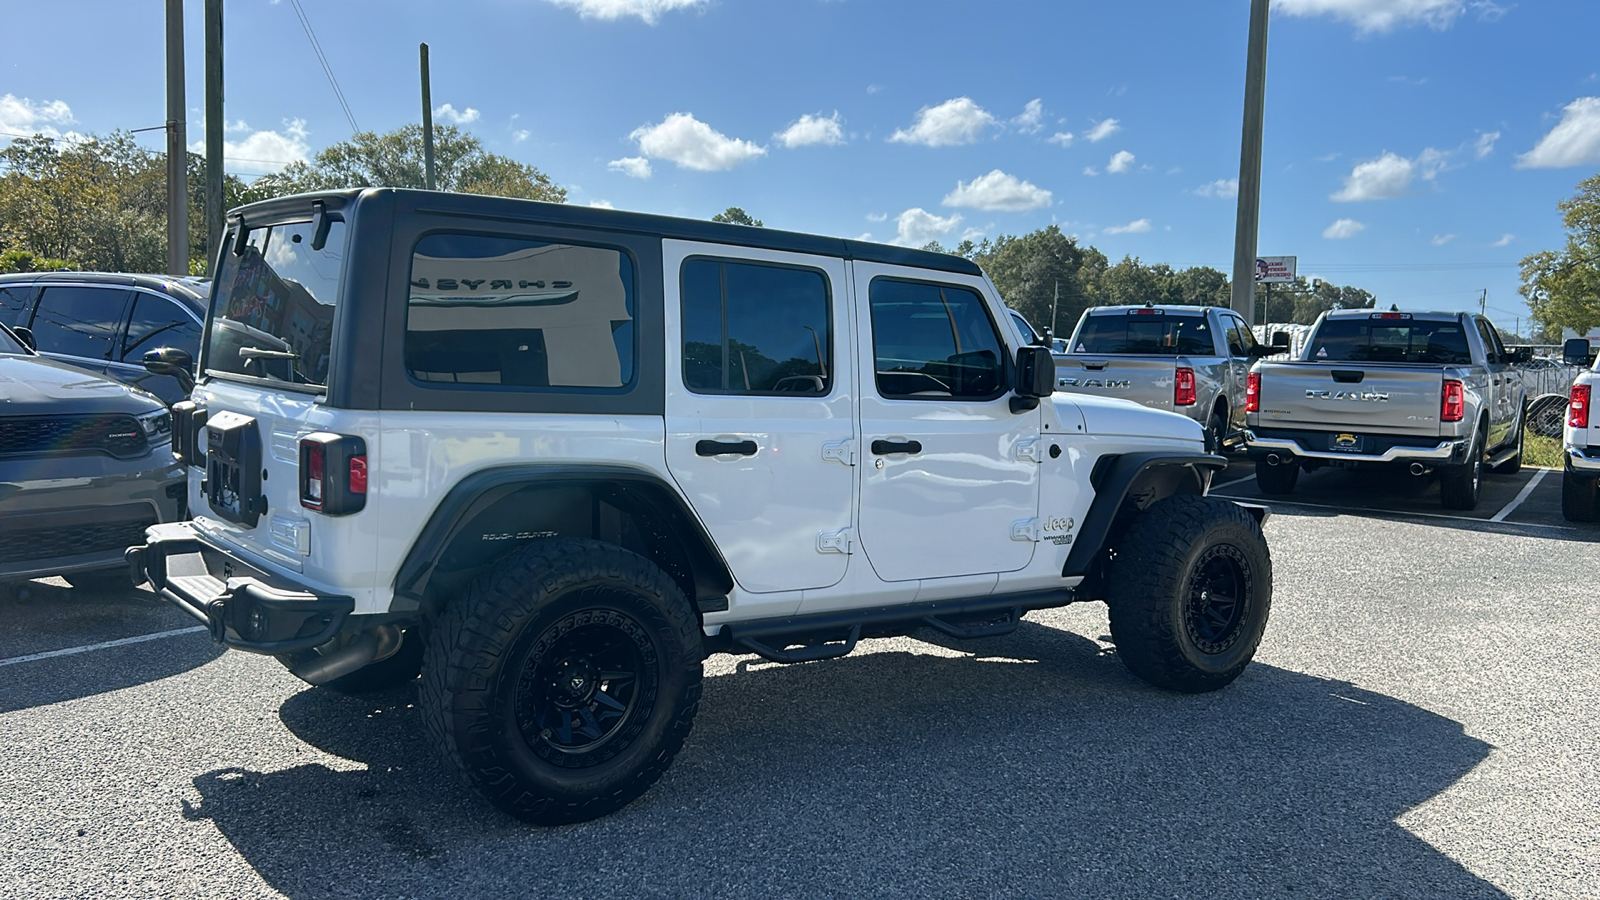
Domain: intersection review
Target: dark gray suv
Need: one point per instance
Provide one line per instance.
(86, 465)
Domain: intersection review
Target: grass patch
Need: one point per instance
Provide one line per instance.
(1541, 451)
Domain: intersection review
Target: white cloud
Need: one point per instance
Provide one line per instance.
(692, 144)
(953, 122)
(1439, 240)
(452, 116)
(1063, 138)
(264, 150)
(20, 115)
(877, 217)
(520, 135)
(1371, 16)
(1091, 171)
(998, 191)
(1137, 226)
(1225, 188)
(1505, 239)
(1031, 119)
(631, 166)
(648, 10)
(1121, 161)
(1485, 144)
(1575, 141)
(809, 130)
(1389, 175)
(601, 204)
(1103, 129)
(1343, 228)
(917, 226)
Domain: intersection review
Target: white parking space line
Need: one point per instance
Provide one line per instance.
(1526, 490)
(139, 639)
(1395, 513)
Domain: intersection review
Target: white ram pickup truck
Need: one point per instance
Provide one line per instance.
(1580, 440)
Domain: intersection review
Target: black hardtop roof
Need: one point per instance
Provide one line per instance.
(188, 287)
(481, 205)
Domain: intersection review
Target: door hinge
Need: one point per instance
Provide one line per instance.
(1032, 448)
(841, 541)
(1025, 530)
(840, 451)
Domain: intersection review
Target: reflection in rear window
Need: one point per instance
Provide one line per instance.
(1150, 335)
(1391, 340)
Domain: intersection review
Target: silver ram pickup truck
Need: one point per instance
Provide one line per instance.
(1191, 360)
(1430, 391)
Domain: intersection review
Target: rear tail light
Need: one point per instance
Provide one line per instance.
(333, 473)
(1578, 406)
(1252, 392)
(1453, 402)
(1183, 387)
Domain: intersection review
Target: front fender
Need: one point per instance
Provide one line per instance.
(1125, 484)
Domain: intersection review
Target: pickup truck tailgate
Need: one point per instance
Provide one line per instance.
(1142, 380)
(1386, 399)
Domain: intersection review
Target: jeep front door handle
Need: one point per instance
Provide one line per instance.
(884, 448)
(717, 448)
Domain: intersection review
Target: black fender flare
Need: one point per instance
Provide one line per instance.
(476, 493)
(1113, 478)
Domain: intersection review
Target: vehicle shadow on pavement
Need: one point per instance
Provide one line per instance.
(1033, 766)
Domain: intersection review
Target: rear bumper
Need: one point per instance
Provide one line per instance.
(244, 607)
(1580, 460)
(1444, 452)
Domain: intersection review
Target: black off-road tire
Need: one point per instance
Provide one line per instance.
(107, 581)
(1190, 592)
(1578, 497)
(507, 665)
(1278, 479)
(1514, 465)
(1216, 432)
(1460, 486)
(401, 667)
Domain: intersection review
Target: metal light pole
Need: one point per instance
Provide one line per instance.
(177, 151)
(214, 123)
(427, 123)
(1244, 238)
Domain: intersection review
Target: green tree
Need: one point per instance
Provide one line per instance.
(1563, 287)
(395, 159)
(733, 215)
(1032, 272)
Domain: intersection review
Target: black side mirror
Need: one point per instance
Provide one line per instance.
(1574, 352)
(1280, 342)
(173, 362)
(1520, 355)
(25, 335)
(1035, 377)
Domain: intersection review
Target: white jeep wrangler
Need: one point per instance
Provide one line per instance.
(551, 457)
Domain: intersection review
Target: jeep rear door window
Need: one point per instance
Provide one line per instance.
(755, 329)
(272, 311)
(79, 321)
(488, 310)
(1147, 333)
(157, 322)
(934, 341)
(1390, 341)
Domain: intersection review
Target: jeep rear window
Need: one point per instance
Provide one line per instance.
(495, 311)
(1397, 341)
(272, 310)
(1163, 334)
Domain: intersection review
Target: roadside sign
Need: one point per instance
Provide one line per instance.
(1275, 269)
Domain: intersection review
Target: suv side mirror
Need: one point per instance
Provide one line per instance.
(1280, 342)
(25, 335)
(1035, 377)
(1574, 352)
(171, 361)
(1519, 355)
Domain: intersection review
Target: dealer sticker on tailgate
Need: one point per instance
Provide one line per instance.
(1345, 442)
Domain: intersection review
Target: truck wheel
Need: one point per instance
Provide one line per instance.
(1514, 465)
(1216, 431)
(1190, 591)
(563, 682)
(1577, 497)
(1458, 485)
(1279, 479)
(401, 667)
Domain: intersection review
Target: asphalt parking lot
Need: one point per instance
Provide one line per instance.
(1419, 722)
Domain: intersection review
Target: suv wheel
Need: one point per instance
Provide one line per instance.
(564, 682)
(1191, 588)
(1578, 500)
(1459, 485)
(1278, 479)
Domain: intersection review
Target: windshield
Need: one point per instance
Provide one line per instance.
(1145, 333)
(1391, 340)
(272, 312)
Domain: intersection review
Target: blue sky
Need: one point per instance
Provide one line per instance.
(1416, 148)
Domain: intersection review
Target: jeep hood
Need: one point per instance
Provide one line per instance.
(1109, 416)
(36, 386)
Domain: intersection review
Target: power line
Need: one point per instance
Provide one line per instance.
(317, 49)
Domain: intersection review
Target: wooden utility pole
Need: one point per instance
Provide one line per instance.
(214, 123)
(1244, 236)
(427, 123)
(177, 149)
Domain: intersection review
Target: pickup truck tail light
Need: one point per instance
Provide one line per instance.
(1252, 392)
(1452, 402)
(1578, 406)
(333, 473)
(1183, 387)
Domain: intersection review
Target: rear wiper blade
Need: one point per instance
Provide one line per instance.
(259, 353)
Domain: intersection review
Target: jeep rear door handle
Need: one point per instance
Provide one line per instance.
(884, 448)
(717, 448)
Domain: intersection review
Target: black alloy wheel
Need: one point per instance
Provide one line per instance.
(587, 685)
(1219, 598)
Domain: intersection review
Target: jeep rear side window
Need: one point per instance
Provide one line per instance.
(934, 341)
(755, 329)
(272, 311)
(521, 313)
